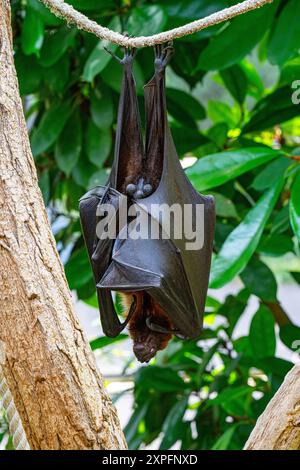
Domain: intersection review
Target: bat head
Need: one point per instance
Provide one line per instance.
(146, 341)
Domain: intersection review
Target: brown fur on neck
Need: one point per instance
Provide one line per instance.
(146, 342)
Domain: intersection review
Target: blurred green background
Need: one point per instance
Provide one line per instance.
(233, 102)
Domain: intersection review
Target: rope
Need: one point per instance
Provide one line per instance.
(15, 424)
(68, 13)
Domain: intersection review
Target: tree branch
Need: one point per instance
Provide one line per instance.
(278, 428)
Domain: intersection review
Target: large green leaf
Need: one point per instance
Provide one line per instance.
(152, 17)
(99, 58)
(285, 38)
(131, 428)
(98, 144)
(32, 33)
(262, 334)
(93, 5)
(243, 240)
(295, 206)
(161, 379)
(78, 269)
(290, 336)
(55, 45)
(103, 341)
(68, 146)
(187, 139)
(102, 108)
(223, 441)
(236, 81)
(260, 280)
(270, 174)
(29, 82)
(217, 169)
(173, 423)
(237, 39)
(50, 127)
(48, 18)
(272, 110)
(183, 107)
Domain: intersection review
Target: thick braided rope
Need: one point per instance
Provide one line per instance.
(15, 424)
(67, 12)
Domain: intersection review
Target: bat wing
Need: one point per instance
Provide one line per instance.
(154, 266)
(100, 250)
(129, 148)
(174, 188)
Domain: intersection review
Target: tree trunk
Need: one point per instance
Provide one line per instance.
(48, 364)
(278, 428)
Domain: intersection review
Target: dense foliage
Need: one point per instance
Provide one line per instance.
(233, 104)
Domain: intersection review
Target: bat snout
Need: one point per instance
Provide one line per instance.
(144, 352)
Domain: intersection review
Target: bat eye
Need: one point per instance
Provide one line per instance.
(147, 189)
(130, 189)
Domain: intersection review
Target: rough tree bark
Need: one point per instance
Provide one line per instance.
(278, 428)
(48, 364)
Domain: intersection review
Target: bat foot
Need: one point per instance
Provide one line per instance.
(129, 55)
(163, 55)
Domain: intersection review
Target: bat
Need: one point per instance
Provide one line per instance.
(163, 284)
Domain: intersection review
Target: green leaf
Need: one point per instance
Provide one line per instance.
(98, 144)
(236, 82)
(131, 428)
(28, 82)
(224, 206)
(270, 174)
(285, 37)
(98, 178)
(295, 206)
(237, 39)
(103, 341)
(32, 33)
(92, 5)
(152, 17)
(260, 280)
(102, 108)
(262, 334)
(220, 112)
(78, 269)
(99, 58)
(161, 379)
(183, 107)
(83, 171)
(243, 240)
(44, 184)
(218, 134)
(56, 44)
(58, 78)
(187, 139)
(233, 400)
(173, 424)
(68, 146)
(290, 336)
(272, 110)
(48, 18)
(224, 440)
(290, 72)
(275, 245)
(218, 168)
(255, 84)
(50, 127)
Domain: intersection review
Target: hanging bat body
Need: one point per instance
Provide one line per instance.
(163, 283)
